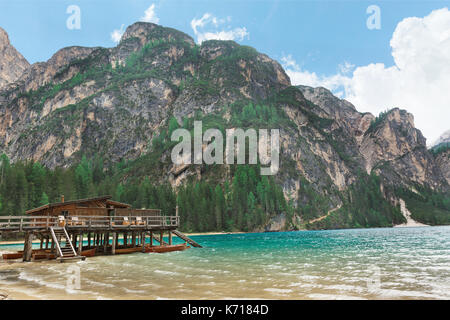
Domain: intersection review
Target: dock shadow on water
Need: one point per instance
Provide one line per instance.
(409, 263)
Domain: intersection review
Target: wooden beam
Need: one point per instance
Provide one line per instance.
(151, 238)
(170, 237)
(52, 250)
(105, 242)
(114, 240)
(161, 236)
(80, 244)
(143, 241)
(28, 247)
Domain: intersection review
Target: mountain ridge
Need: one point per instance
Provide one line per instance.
(119, 103)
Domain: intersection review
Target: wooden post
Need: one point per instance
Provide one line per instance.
(80, 244)
(47, 239)
(28, 247)
(161, 235)
(125, 239)
(52, 250)
(151, 238)
(170, 237)
(89, 240)
(114, 240)
(117, 239)
(106, 242)
(42, 243)
(133, 239)
(143, 241)
(74, 240)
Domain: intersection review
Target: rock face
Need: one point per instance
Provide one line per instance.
(115, 101)
(443, 161)
(441, 151)
(12, 63)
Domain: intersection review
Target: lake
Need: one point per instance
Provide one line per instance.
(387, 263)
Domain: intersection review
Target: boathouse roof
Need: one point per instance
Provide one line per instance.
(102, 201)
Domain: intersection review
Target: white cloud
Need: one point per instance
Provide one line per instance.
(116, 35)
(210, 21)
(150, 15)
(336, 83)
(419, 81)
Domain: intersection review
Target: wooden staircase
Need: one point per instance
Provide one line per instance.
(185, 238)
(161, 242)
(68, 251)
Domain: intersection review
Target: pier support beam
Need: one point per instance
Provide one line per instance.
(133, 239)
(106, 242)
(28, 247)
(80, 244)
(151, 238)
(161, 237)
(170, 237)
(114, 242)
(143, 241)
(52, 250)
(97, 239)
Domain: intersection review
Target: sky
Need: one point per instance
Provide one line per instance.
(376, 54)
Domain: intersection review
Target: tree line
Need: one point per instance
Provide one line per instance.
(245, 202)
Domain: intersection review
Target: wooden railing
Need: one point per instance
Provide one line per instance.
(24, 223)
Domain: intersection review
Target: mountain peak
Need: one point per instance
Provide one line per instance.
(4, 39)
(146, 31)
(12, 63)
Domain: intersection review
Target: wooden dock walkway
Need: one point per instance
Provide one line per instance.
(66, 238)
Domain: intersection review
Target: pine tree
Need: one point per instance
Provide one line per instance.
(219, 201)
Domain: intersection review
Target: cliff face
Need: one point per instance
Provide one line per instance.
(115, 101)
(12, 63)
(441, 151)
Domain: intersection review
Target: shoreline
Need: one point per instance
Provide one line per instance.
(37, 241)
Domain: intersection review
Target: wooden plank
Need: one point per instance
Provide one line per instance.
(187, 239)
(114, 242)
(80, 244)
(28, 247)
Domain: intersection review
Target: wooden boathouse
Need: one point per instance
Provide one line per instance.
(79, 228)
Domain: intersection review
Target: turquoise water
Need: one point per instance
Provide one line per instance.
(398, 263)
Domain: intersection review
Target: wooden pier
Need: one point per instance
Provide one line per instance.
(75, 229)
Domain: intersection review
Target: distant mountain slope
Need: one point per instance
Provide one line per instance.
(444, 138)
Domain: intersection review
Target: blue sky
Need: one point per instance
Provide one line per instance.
(310, 36)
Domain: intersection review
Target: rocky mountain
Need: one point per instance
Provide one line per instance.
(120, 103)
(441, 151)
(12, 63)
